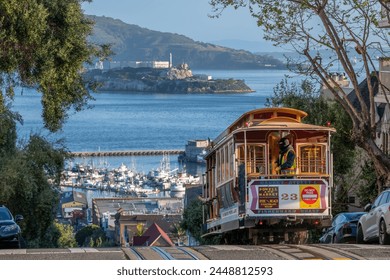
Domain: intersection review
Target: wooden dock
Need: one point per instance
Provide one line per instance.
(126, 153)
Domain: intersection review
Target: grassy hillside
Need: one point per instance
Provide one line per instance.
(131, 42)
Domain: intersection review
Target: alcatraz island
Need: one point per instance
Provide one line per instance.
(159, 77)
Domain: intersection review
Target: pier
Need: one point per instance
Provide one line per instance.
(126, 153)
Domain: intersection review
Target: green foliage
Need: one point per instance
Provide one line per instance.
(193, 219)
(303, 96)
(340, 199)
(8, 134)
(66, 237)
(24, 185)
(44, 43)
(91, 236)
(140, 229)
(367, 191)
(179, 232)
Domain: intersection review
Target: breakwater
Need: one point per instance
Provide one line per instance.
(127, 153)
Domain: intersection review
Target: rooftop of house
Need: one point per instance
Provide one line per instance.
(74, 196)
(139, 206)
(363, 87)
(151, 236)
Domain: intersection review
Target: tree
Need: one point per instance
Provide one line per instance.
(178, 232)
(193, 219)
(57, 236)
(92, 236)
(66, 237)
(366, 191)
(345, 29)
(306, 96)
(43, 43)
(140, 229)
(24, 184)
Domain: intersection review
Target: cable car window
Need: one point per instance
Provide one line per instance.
(312, 159)
(231, 160)
(255, 158)
(218, 168)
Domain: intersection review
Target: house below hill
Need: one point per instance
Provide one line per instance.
(153, 236)
(120, 218)
(73, 202)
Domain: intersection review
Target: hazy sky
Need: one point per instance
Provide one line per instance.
(185, 17)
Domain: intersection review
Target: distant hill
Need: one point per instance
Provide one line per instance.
(133, 43)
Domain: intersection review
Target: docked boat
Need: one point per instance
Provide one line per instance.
(178, 187)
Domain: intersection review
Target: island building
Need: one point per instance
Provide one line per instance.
(155, 64)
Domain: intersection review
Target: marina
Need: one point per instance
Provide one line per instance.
(127, 181)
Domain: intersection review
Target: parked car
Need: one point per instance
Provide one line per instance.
(10, 232)
(343, 228)
(374, 225)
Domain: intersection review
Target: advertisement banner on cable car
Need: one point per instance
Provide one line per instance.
(280, 197)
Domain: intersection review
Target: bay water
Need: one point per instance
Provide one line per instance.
(148, 121)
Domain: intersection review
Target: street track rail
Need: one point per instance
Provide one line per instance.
(137, 254)
(160, 253)
(208, 252)
(180, 253)
(312, 252)
(163, 253)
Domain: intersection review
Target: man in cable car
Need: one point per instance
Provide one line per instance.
(286, 163)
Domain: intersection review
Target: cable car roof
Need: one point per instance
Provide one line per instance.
(272, 119)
